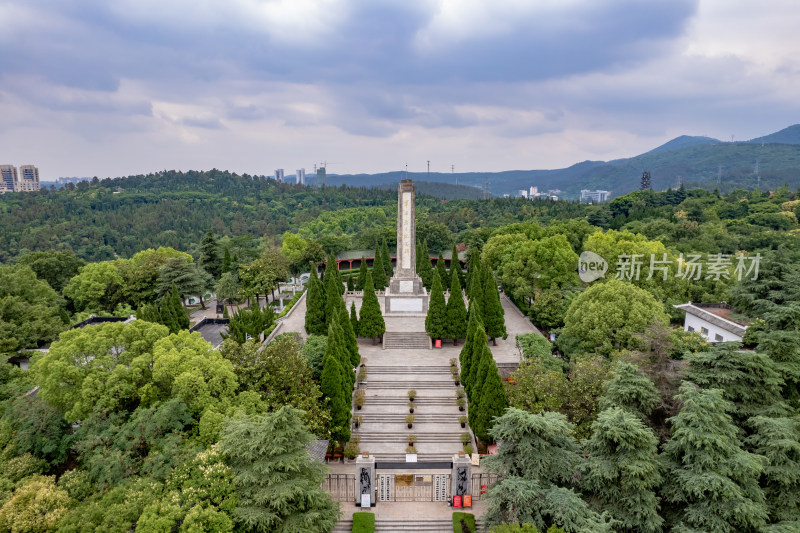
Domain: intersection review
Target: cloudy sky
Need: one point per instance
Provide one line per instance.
(110, 88)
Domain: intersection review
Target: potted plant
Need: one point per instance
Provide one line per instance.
(468, 449)
(362, 374)
(411, 449)
(460, 393)
(358, 420)
(461, 403)
(412, 394)
(411, 407)
(410, 420)
(364, 362)
(411, 439)
(466, 438)
(456, 379)
(351, 450)
(360, 398)
(461, 420)
(453, 364)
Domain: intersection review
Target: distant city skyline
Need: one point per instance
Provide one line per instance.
(114, 89)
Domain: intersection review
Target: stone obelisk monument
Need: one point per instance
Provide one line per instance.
(405, 293)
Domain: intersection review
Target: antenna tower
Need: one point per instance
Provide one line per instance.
(485, 187)
(719, 174)
(645, 185)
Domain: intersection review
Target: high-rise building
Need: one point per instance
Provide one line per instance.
(534, 192)
(279, 175)
(596, 197)
(321, 177)
(523, 193)
(300, 174)
(8, 178)
(28, 178)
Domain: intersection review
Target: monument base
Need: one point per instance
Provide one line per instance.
(407, 296)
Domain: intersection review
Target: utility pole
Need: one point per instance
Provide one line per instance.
(485, 187)
(452, 173)
(429, 170)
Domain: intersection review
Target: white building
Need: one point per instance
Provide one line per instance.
(523, 193)
(300, 175)
(713, 321)
(279, 175)
(8, 178)
(596, 197)
(28, 178)
(534, 192)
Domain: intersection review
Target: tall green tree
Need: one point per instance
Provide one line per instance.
(473, 267)
(441, 269)
(97, 287)
(315, 323)
(371, 323)
(176, 306)
(188, 278)
(227, 261)
(712, 482)
(209, 254)
(353, 317)
(492, 401)
(333, 298)
(455, 264)
(249, 324)
(494, 315)
(630, 390)
(336, 385)
(361, 282)
(424, 267)
(278, 484)
(349, 336)
(378, 272)
(436, 319)
(456, 325)
(56, 267)
(623, 472)
(387, 259)
(227, 288)
(29, 309)
(474, 327)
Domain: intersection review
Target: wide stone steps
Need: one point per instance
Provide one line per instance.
(419, 418)
(416, 370)
(406, 385)
(449, 400)
(400, 437)
(390, 526)
(395, 340)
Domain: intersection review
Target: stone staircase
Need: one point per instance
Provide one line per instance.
(390, 526)
(384, 430)
(401, 340)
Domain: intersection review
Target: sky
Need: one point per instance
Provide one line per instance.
(114, 88)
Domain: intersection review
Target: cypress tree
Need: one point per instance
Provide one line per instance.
(353, 317)
(351, 286)
(362, 275)
(441, 269)
(631, 390)
(209, 254)
(226, 261)
(349, 336)
(493, 401)
(475, 292)
(455, 264)
(494, 316)
(333, 299)
(474, 324)
(711, 480)
(149, 313)
(337, 349)
(477, 371)
(425, 269)
(378, 274)
(387, 260)
(331, 381)
(473, 266)
(315, 306)
(182, 318)
(371, 323)
(456, 310)
(436, 319)
(623, 471)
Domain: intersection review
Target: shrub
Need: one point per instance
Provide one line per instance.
(462, 419)
(468, 521)
(37, 505)
(411, 439)
(363, 522)
(351, 450)
(411, 407)
(412, 394)
(410, 419)
(468, 449)
(460, 393)
(466, 438)
(411, 449)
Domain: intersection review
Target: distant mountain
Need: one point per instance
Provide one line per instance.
(692, 160)
(790, 135)
(682, 142)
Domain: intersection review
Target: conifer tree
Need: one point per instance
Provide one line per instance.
(315, 306)
(492, 400)
(333, 299)
(456, 311)
(349, 336)
(441, 269)
(149, 313)
(436, 319)
(493, 314)
(387, 260)
(424, 267)
(338, 350)
(279, 487)
(249, 323)
(630, 390)
(465, 356)
(226, 261)
(371, 323)
(362, 275)
(712, 481)
(209, 254)
(748, 379)
(473, 267)
(455, 264)
(181, 317)
(623, 471)
(351, 286)
(353, 317)
(378, 274)
(777, 439)
(475, 292)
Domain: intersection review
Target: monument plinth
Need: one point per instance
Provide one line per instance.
(406, 294)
